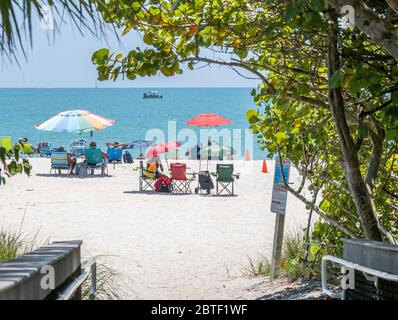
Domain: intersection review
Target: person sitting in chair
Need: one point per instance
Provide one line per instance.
(71, 160)
(116, 145)
(93, 145)
(115, 151)
(154, 168)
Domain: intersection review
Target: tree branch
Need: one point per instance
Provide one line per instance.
(384, 105)
(370, 23)
(271, 88)
(377, 138)
(312, 205)
(393, 4)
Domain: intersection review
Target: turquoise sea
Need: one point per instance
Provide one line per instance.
(22, 109)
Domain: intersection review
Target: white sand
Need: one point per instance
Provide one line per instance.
(165, 246)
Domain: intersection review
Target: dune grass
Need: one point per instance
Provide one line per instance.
(260, 267)
(292, 261)
(13, 244)
(10, 246)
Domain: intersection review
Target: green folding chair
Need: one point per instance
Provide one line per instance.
(225, 179)
(6, 143)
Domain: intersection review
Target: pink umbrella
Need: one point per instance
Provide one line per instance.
(162, 148)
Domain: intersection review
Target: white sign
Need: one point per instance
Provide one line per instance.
(279, 193)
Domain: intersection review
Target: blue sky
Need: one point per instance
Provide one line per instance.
(66, 62)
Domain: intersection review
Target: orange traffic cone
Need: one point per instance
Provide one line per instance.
(265, 169)
(247, 155)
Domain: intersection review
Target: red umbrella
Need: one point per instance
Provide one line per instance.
(208, 120)
(162, 148)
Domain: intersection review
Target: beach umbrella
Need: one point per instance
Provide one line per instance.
(75, 121)
(163, 148)
(139, 144)
(208, 120)
(218, 149)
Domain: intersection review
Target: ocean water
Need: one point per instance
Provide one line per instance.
(22, 109)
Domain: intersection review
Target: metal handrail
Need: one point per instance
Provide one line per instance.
(365, 270)
(72, 288)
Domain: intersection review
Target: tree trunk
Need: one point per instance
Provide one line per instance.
(356, 183)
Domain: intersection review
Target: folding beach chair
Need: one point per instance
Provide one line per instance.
(78, 147)
(225, 179)
(147, 178)
(180, 183)
(115, 156)
(59, 161)
(95, 161)
(6, 143)
(44, 149)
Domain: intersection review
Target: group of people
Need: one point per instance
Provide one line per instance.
(72, 160)
(154, 166)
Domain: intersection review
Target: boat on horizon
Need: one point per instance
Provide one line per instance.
(152, 95)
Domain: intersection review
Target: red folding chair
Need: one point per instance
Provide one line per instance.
(180, 183)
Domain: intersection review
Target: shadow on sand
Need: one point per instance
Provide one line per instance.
(153, 193)
(72, 176)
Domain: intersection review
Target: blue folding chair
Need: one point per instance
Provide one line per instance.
(115, 156)
(59, 161)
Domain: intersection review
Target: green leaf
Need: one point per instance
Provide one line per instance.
(337, 79)
(100, 57)
(148, 38)
(291, 11)
(280, 137)
(363, 132)
(317, 5)
(252, 116)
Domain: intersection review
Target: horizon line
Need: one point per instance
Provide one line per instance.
(154, 87)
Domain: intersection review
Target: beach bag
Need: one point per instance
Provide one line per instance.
(127, 157)
(163, 185)
(81, 170)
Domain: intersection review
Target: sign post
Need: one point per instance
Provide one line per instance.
(278, 206)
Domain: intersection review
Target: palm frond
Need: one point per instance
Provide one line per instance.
(17, 18)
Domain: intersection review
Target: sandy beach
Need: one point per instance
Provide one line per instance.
(165, 246)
